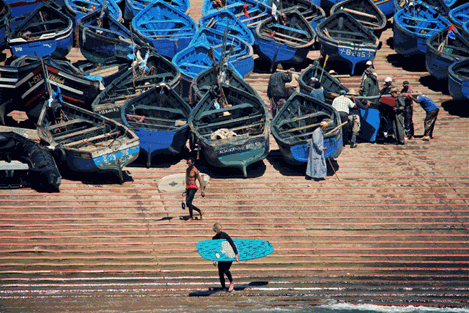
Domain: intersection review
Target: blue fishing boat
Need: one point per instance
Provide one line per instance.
(21, 7)
(208, 48)
(458, 80)
(312, 12)
(231, 128)
(28, 89)
(102, 37)
(287, 40)
(295, 122)
(86, 141)
(225, 75)
(148, 70)
(328, 82)
(220, 20)
(45, 31)
(385, 6)
(365, 12)
(106, 72)
(249, 12)
(444, 48)
(79, 8)
(133, 7)
(413, 26)
(167, 28)
(159, 118)
(342, 38)
(459, 15)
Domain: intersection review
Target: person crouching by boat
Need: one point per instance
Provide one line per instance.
(320, 93)
(317, 168)
(431, 110)
(294, 84)
(192, 173)
(408, 111)
(276, 91)
(397, 117)
(343, 106)
(354, 118)
(224, 266)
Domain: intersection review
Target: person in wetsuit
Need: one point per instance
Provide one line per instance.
(224, 266)
(192, 173)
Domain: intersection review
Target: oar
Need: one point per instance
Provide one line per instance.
(323, 67)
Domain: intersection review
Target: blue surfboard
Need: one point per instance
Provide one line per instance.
(221, 250)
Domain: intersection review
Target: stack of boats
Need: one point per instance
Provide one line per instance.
(154, 79)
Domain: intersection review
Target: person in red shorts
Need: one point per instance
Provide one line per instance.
(192, 174)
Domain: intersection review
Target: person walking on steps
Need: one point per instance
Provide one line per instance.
(224, 266)
(192, 174)
(317, 168)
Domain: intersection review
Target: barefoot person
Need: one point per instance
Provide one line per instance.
(224, 266)
(192, 173)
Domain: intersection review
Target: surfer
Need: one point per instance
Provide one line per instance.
(224, 266)
(192, 173)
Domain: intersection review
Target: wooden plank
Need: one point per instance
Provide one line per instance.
(82, 132)
(67, 123)
(283, 40)
(302, 117)
(299, 128)
(359, 13)
(89, 140)
(286, 36)
(368, 23)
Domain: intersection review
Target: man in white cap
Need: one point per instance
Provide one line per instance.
(370, 70)
(386, 90)
(385, 111)
(317, 168)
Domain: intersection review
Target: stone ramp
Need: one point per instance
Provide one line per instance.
(390, 228)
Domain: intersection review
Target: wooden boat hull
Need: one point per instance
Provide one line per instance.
(206, 79)
(247, 117)
(79, 8)
(360, 45)
(219, 20)
(26, 80)
(133, 7)
(365, 12)
(90, 142)
(408, 39)
(196, 58)
(109, 102)
(293, 140)
(385, 6)
(328, 82)
(111, 40)
(159, 118)
(291, 42)
(21, 7)
(458, 83)
(51, 34)
(440, 54)
(167, 28)
(257, 11)
(459, 15)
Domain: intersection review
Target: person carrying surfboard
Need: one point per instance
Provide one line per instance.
(192, 174)
(224, 266)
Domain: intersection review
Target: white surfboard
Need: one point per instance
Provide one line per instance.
(177, 182)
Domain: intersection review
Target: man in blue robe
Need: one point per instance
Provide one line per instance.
(317, 168)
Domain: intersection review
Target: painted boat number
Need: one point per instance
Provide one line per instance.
(355, 53)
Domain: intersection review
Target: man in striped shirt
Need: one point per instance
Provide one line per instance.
(343, 106)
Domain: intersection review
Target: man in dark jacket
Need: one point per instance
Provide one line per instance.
(397, 117)
(223, 266)
(408, 111)
(276, 90)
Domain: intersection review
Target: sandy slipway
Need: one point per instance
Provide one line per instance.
(389, 229)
